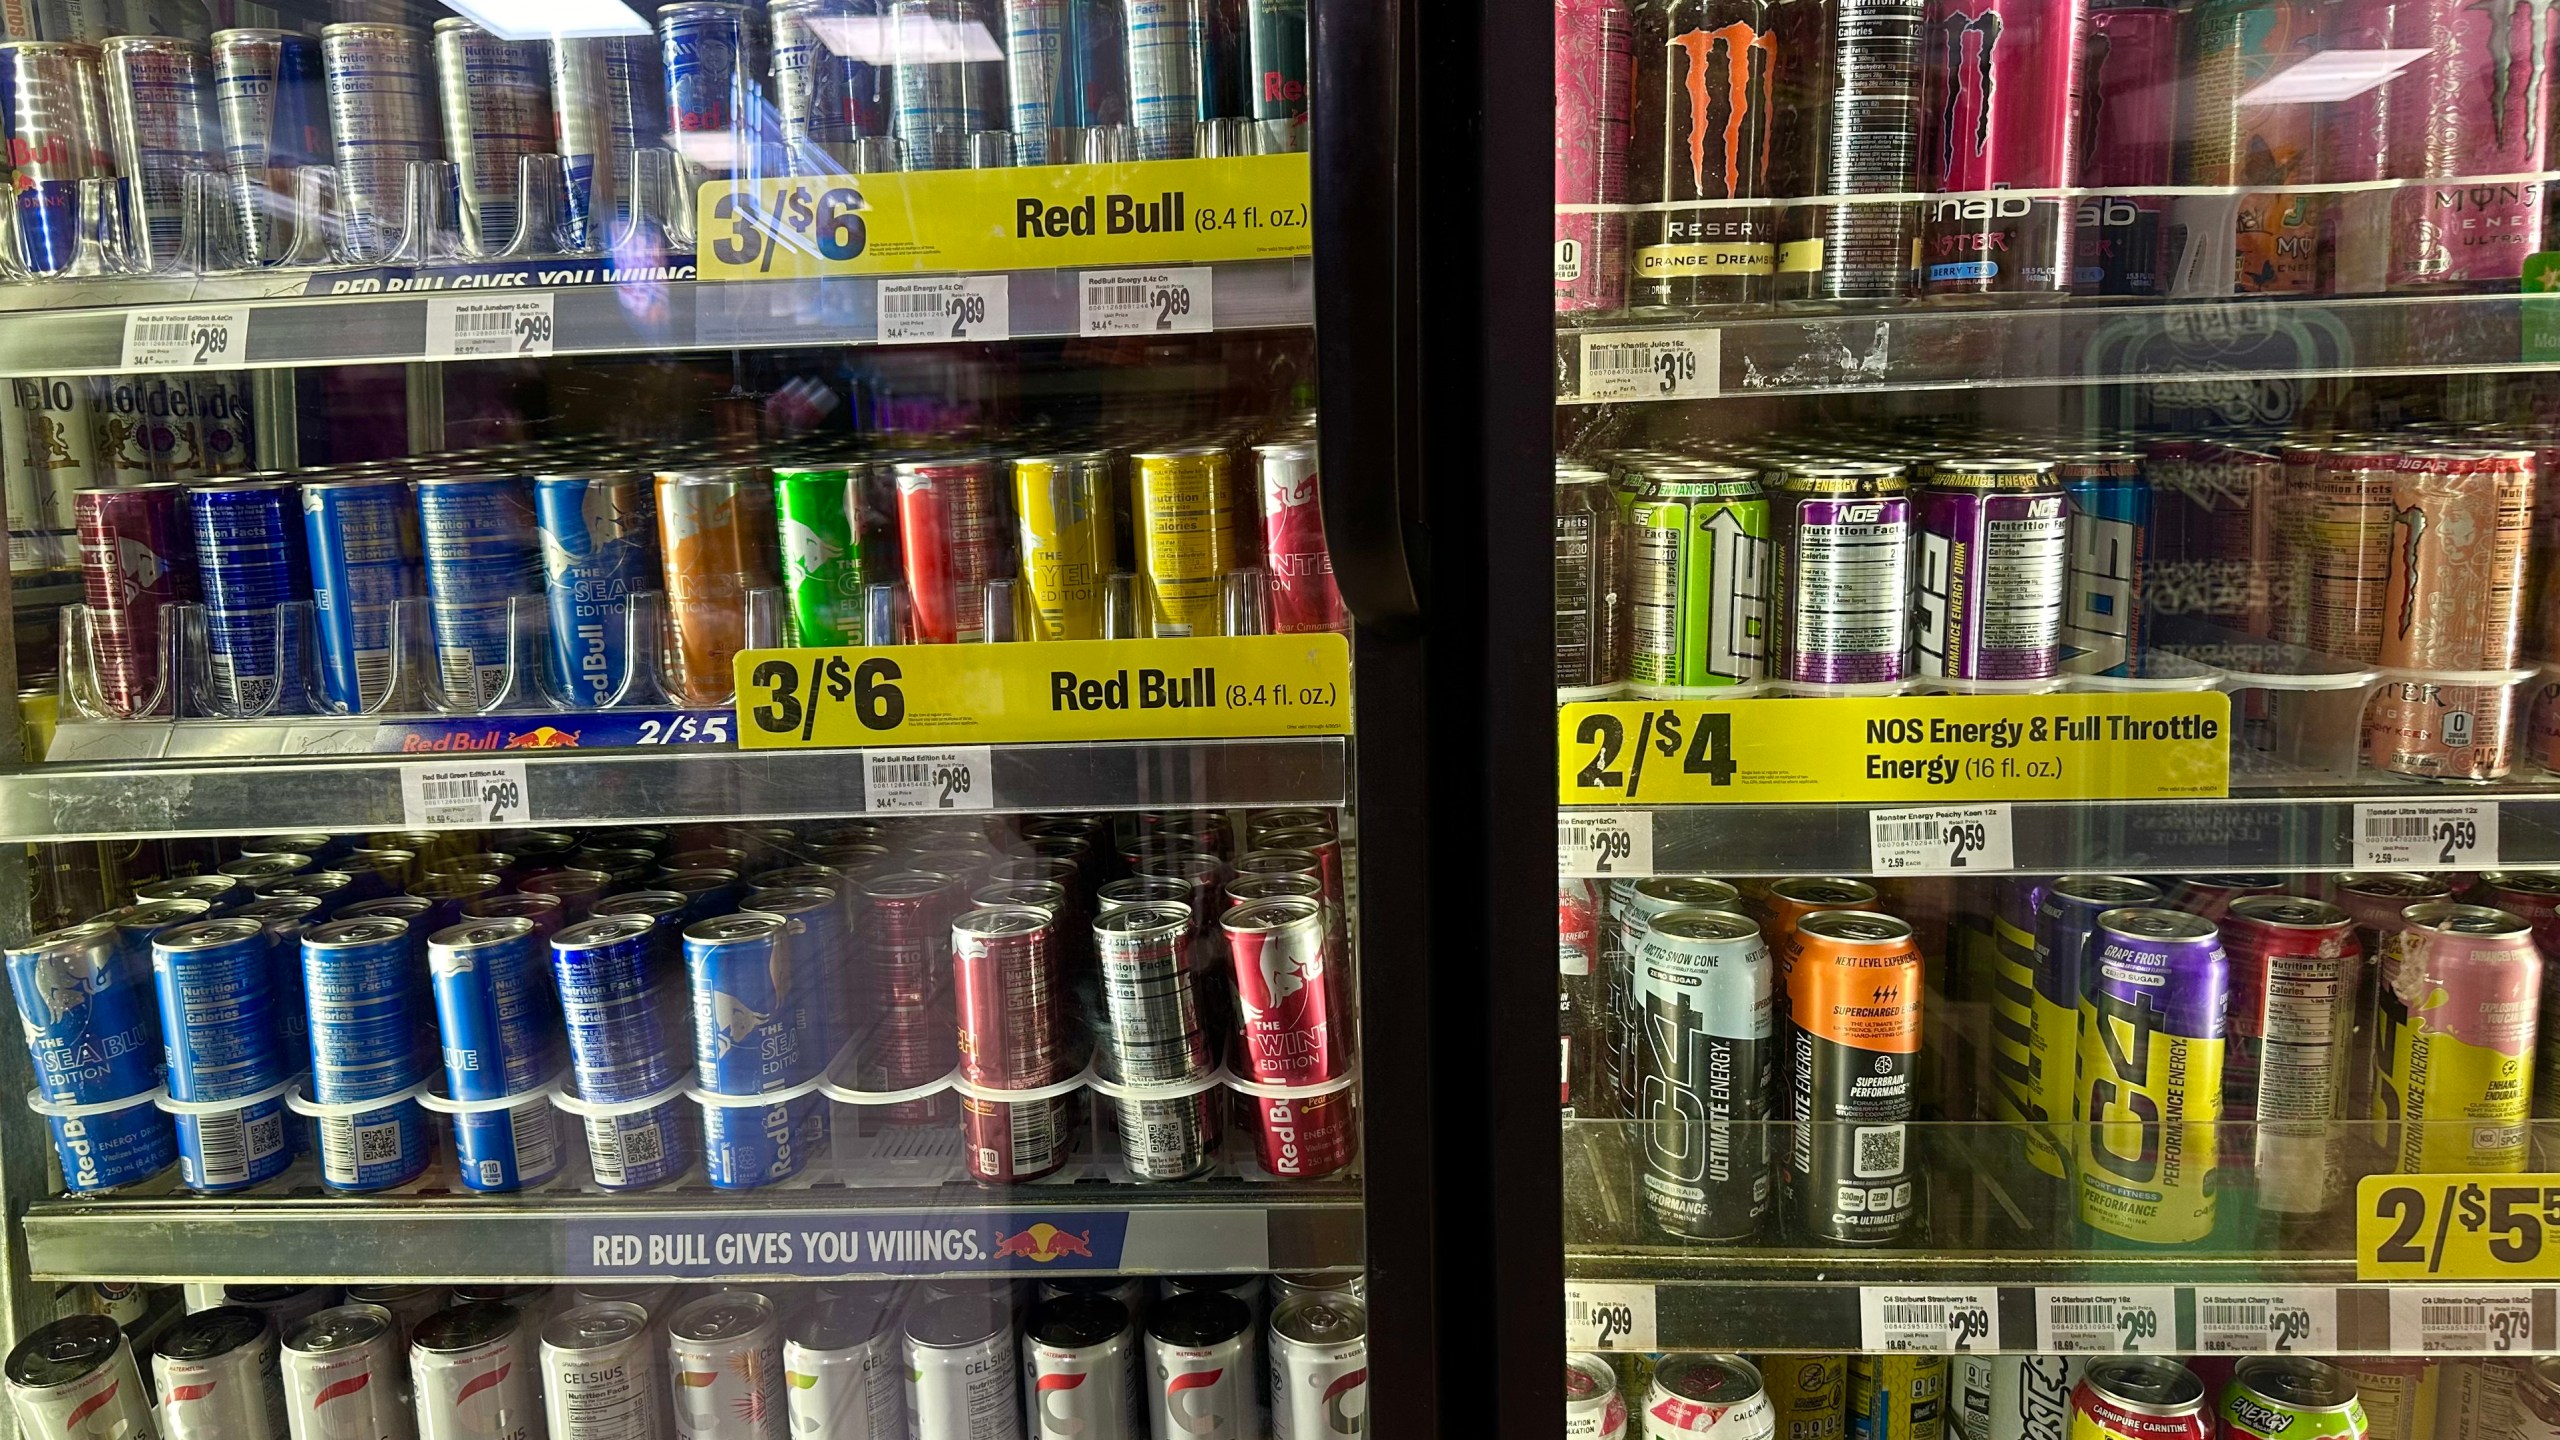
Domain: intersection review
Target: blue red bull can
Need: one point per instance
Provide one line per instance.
(822, 935)
(363, 540)
(2103, 629)
(446, 893)
(599, 543)
(250, 559)
(707, 890)
(608, 100)
(218, 1010)
(751, 1016)
(105, 1150)
(374, 1150)
(640, 1148)
(223, 893)
(747, 1146)
(512, 1149)
(482, 554)
(621, 1046)
(1035, 33)
(1164, 39)
(287, 919)
(409, 910)
(137, 925)
(715, 63)
(260, 871)
(829, 97)
(160, 129)
(359, 983)
(53, 114)
(272, 97)
(331, 888)
(228, 1150)
(494, 1007)
(90, 1018)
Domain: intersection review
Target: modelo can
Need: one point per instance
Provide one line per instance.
(1808, 1393)
(346, 1374)
(842, 1372)
(1840, 536)
(2129, 70)
(2139, 1397)
(271, 96)
(362, 535)
(600, 1373)
(1897, 1397)
(1993, 552)
(76, 1378)
(473, 1368)
(2454, 1033)
(482, 556)
(1200, 1377)
(1319, 1362)
(2066, 931)
(961, 1368)
(2294, 976)
(2015, 1394)
(2152, 1021)
(1702, 982)
(2004, 76)
(1707, 1395)
(1699, 559)
(1706, 77)
(1594, 76)
(1855, 995)
(1593, 1407)
(1082, 1370)
(1847, 123)
(2292, 1397)
(599, 535)
(217, 1377)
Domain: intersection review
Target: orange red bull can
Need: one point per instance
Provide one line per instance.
(716, 532)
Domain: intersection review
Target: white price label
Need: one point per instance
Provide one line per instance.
(2461, 835)
(1143, 302)
(194, 338)
(1947, 840)
(1935, 1321)
(2136, 1319)
(2480, 1321)
(2284, 1319)
(969, 307)
(1604, 844)
(1602, 1315)
(475, 793)
(899, 780)
(487, 327)
(1651, 364)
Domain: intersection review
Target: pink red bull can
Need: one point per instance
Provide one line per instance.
(2466, 120)
(53, 116)
(2004, 76)
(1594, 75)
(136, 560)
(1294, 554)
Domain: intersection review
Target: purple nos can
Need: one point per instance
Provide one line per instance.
(1839, 603)
(1994, 569)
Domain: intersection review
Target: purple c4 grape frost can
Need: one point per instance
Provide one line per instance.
(1994, 552)
(2154, 1009)
(1841, 537)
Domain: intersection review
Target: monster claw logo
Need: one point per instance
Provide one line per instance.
(1740, 43)
(1044, 1242)
(1955, 28)
(2412, 522)
(2501, 17)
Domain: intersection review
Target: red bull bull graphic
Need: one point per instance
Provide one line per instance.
(815, 1248)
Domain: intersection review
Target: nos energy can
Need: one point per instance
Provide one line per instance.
(2102, 612)
(1702, 980)
(2152, 1016)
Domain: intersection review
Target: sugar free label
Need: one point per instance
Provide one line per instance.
(1603, 1315)
(969, 307)
(2130, 1319)
(2458, 836)
(1651, 364)
(2482, 1320)
(1604, 844)
(1937, 1320)
(484, 327)
(195, 338)
(1144, 302)
(907, 780)
(478, 793)
(2296, 1319)
(1959, 840)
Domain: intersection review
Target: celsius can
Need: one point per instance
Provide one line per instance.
(2292, 1397)
(2454, 1029)
(716, 538)
(217, 1377)
(1855, 994)
(2477, 104)
(1319, 1362)
(89, 1013)
(1183, 522)
(494, 1007)
(841, 1367)
(1702, 984)
(724, 1355)
(2129, 70)
(961, 1368)
(1706, 77)
(1709, 1395)
(1593, 1407)
(2152, 1021)
(2016, 1394)
(2400, 1398)
(273, 103)
(496, 98)
(2294, 977)
(1808, 1394)
(362, 535)
(160, 128)
(1594, 75)
(472, 1366)
(2461, 530)
(1062, 504)
(1853, 130)
(53, 114)
(599, 535)
(1081, 1369)
(1200, 1378)
(2140, 1397)
(1698, 542)
(2004, 79)
(608, 100)
(250, 560)
(1295, 555)
(2066, 938)
(819, 510)
(382, 116)
(218, 1005)
(2105, 608)
(1898, 1397)
(346, 1373)
(76, 1378)
(1840, 537)
(1992, 565)
(482, 557)
(600, 1373)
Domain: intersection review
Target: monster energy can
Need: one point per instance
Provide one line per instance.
(1699, 538)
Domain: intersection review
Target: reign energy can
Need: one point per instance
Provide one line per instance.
(2152, 1020)
(1848, 123)
(1593, 60)
(1699, 553)
(1855, 993)
(2454, 1029)
(1702, 987)
(1993, 545)
(2004, 82)
(1809, 1393)
(1703, 91)
(1840, 537)
(2291, 1396)
(2129, 67)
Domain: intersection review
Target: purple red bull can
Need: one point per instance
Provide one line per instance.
(2477, 105)
(2003, 82)
(1594, 79)
(2129, 71)
(53, 115)
(136, 560)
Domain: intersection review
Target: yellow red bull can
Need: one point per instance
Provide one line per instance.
(1182, 511)
(1063, 505)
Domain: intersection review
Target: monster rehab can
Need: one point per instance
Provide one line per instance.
(1702, 981)
(2065, 936)
(2454, 1028)
(1848, 123)
(2150, 1089)
(1700, 552)
(1855, 994)
(2004, 76)
(1703, 80)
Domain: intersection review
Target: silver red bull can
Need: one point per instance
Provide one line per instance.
(75, 1379)
(1199, 1370)
(53, 116)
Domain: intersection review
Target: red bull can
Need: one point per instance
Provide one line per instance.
(382, 113)
(716, 532)
(273, 102)
(1295, 556)
(53, 115)
(609, 100)
(160, 127)
(496, 99)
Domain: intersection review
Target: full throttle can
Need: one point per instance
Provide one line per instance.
(2152, 1020)
(2292, 1397)
(716, 537)
(2140, 1397)
(1809, 1393)
(1855, 995)
(1898, 1397)
(1993, 556)
(1702, 980)
(2066, 938)
(2454, 1029)
(1710, 1395)
(1062, 504)
(2461, 529)
(951, 540)
(2294, 975)
(2004, 82)
(1705, 73)
(1840, 537)
(1182, 516)
(2016, 1093)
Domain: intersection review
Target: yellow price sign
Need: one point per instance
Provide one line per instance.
(1152, 212)
(2458, 1227)
(1762, 751)
(1221, 688)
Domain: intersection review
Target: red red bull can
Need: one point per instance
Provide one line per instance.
(951, 528)
(1012, 1012)
(2140, 1397)
(1295, 557)
(1200, 1379)
(2294, 974)
(2004, 78)
(136, 560)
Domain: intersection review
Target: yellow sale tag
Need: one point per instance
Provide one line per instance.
(2458, 1227)
(1761, 751)
(1226, 688)
(1151, 212)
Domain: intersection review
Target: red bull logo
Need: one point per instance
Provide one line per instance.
(1045, 1242)
(544, 737)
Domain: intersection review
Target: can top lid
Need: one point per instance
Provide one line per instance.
(1177, 865)
(2290, 912)
(2151, 922)
(587, 1327)
(465, 1326)
(790, 900)
(76, 937)
(249, 867)
(340, 1327)
(573, 880)
(999, 921)
(1321, 1318)
(2394, 885)
(825, 876)
(1855, 927)
(1708, 1379)
(473, 934)
(209, 934)
(1271, 887)
(2147, 1384)
(256, 32)
(2525, 882)
(277, 907)
(1192, 451)
(1199, 1317)
(353, 482)
(1839, 477)
(2452, 919)
(2230, 882)
(1045, 895)
(207, 1333)
(1827, 892)
(948, 1322)
(2104, 891)
(1669, 892)
(236, 482)
(71, 1348)
(842, 1320)
(527, 903)
(407, 907)
(1147, 918)
(1697, 924)
(722, 1315)
(2005, 472)
(1138, 889)
(907, 884)
(1587, 1377)
(2297, 1382)
(366, 27)
(1281, 912)
(457, 884)
(1077, 1321)
(606, 929)
(735, 929)
(363, 930)
(156, 912)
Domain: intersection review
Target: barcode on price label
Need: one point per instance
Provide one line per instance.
(1939, 1320)
(480, 793)
(2134, 1319)
(2462, 1322)
(2276, 1320)
(465, 327)
(196, 338)
(2461, 835)
(969, 307)
(1651, 365)
(1144, 302)
(1602, 1315)
(1957, 840)
(906, 780)
(1604, 844)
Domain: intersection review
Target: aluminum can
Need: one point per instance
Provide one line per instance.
(106, 1150)
(446, 892)
(2462, 524)
(1705, 73)
(715, 65)
(1595, 61)
(76, 1378)
(755, 1029)
(517, 1148)
(1062, 505)
(1846, 123)
(545, 911)
(136, 560)
(1840, 537)
(2153, 1013)
(817, 932)
(1593, 1408)
(2533, 896)
(1034, 36)
(482, 556)
(250, 560)
(362, 535)
(2375, 901)
(599, 536)
(2212, 895)
(1164, 69)
(494, 1006)
(2400, 1397)
(1319, 1360)
(1711, 1395)
(2066, 936)
(125, 413)
(270, 91)
(2480, 1397)
(902, 933)
(2295, 970)
(716, 535)
(1591, 548)
(933, 106)
(2129, 68)
(608, 101)
(346, 1374)
(2004, 76)
(1808, 1394)
(819, 509)
(260, 871)
(1012, 1033)
(1082, 1369)
(1283, 74)
(2140, 1397)
(360, 985)
(638, 1149)
(828, 100)
(218, 1009)
(2454, 1030)
(89, 1012)
(842, 1370)
(746, 1147)
(373, 1150)
(53, 114)
(1892, 1397)
(600, 1373)
(1304, 1137)
(1993, 562)
(1199, 1371)
(1182, 512)
(2287, 1395)
(48, 447)
(961, 1367)
(222, 892)
(577, 887)
(473, 1366)
(1854, 991)
(1151, 1031)
(1292, 1005)
(951, 539)
(2016, 1394)
(217, 1377)
(2106, 605)
(1090, 109)
(160, 128)
(496, 99)
(2477, 104)
(2238, 45)
(1631, 907)
(1702, 981)
(1698, 557)
(382, 116)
